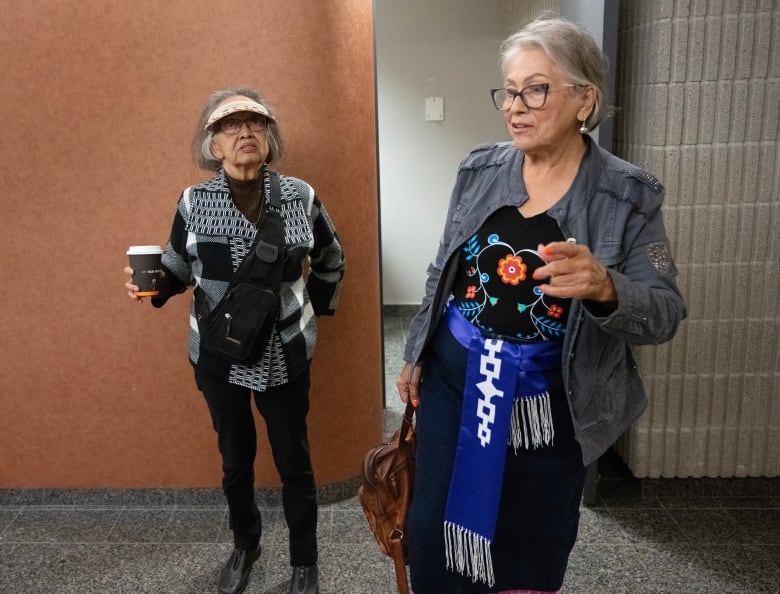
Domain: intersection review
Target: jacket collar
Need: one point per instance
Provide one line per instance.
(213, 212)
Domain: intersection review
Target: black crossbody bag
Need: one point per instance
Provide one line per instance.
(241, 324)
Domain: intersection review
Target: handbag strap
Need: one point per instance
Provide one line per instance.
(407, 422)
(269, 238)
(275, 190)
(267, 224)
(400, 567)
(396, 552)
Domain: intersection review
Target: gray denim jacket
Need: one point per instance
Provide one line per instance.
(612, 207)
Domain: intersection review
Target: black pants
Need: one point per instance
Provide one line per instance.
(284, 409)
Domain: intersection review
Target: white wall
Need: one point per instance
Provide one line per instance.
(443, 48)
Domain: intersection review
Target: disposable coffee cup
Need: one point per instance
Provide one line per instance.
(145, 262)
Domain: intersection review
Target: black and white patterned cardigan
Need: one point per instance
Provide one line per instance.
(209, 239)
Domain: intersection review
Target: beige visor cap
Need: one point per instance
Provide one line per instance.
(235, 107)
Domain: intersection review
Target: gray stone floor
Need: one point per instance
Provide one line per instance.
(637, 537)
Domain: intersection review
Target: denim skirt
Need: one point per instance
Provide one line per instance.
(538, 513)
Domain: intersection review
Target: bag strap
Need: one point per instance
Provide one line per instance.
(268, 243)
(267, 225)
(275, 190)
(397, 554)
(406, 422)
(400, 567)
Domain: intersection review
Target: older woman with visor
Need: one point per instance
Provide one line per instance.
(237, 136)
(553, 264)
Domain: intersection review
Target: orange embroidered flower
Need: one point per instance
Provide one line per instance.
(555, 311)
(471, 292)
(512, 269)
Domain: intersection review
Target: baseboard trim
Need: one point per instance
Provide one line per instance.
(158, 497)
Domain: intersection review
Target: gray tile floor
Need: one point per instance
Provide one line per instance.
(637, 537)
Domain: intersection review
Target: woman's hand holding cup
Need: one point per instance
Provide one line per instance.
(144, 270)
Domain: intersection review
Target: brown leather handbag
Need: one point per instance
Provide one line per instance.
(385, 493)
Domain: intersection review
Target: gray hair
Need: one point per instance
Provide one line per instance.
(201, 141)
(573, 50)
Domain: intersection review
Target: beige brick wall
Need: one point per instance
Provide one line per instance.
(698, 101)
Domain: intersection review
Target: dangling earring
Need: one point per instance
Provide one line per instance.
(583, 128)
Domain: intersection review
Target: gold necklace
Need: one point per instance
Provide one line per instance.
(260, 210)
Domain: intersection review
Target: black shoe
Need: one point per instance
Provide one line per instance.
(235, 575)
(304, 580)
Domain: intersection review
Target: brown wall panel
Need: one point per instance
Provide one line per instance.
(99, 100)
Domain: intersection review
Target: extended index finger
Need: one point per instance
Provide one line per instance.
(558, 250)
(565, 249)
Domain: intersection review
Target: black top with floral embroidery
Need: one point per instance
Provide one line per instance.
(495, 289)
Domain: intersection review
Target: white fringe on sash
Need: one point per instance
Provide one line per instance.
(468, 553)
(532, 423)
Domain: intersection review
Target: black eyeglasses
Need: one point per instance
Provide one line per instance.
(255, 123)
(532, 96)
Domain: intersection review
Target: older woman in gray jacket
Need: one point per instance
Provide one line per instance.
(553, 263)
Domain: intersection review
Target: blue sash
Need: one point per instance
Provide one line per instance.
(505, 399)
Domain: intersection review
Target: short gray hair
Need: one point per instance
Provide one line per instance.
(201, 141)
(573, 50)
